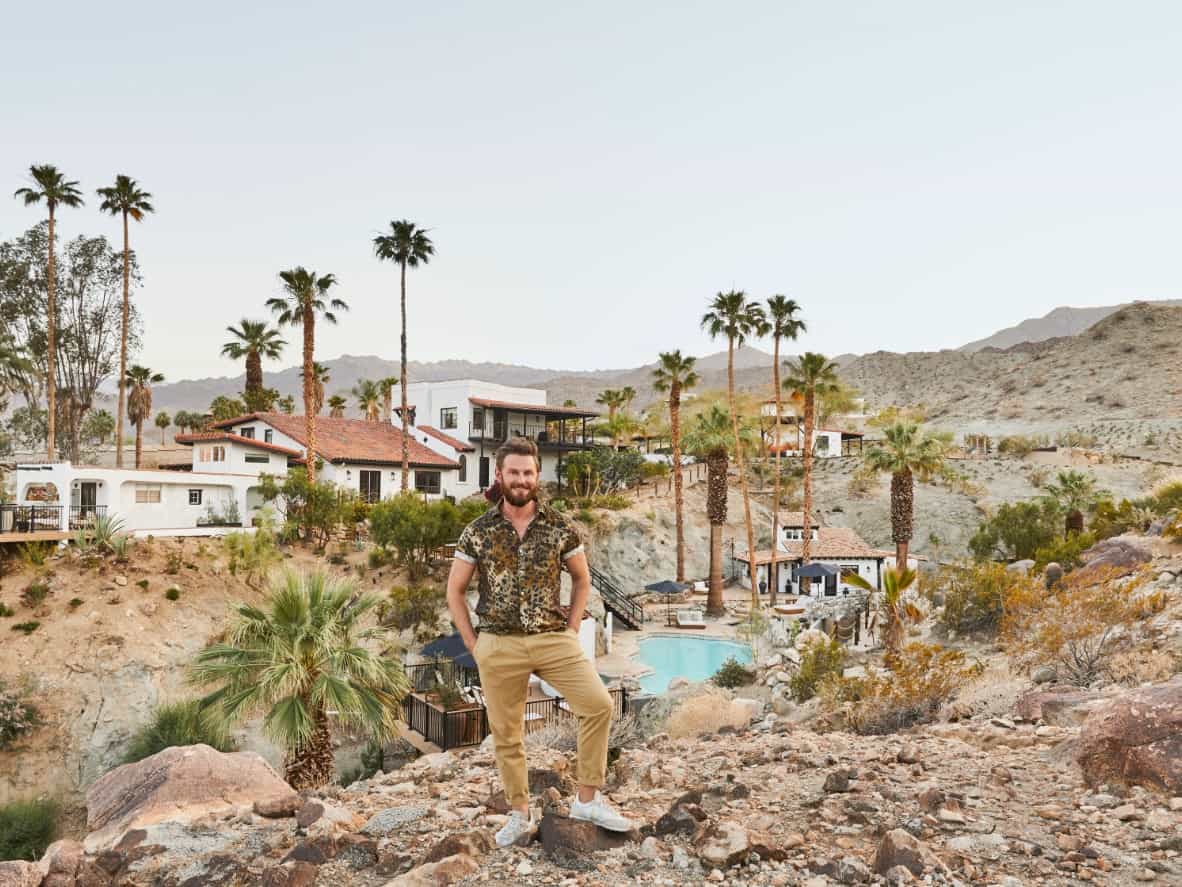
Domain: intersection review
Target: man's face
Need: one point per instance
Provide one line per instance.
(519, 479)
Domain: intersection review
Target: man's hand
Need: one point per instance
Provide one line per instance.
(457, 583)
(470, 640)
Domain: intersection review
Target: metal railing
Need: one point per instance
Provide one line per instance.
(626, 609)
(501, 433)
(425, 675)
(83, 516)
(30, 518)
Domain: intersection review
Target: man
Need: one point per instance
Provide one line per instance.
(519, 548)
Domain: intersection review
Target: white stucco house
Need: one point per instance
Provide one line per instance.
(788, 435)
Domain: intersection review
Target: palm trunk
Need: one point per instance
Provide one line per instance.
(51, 348)
(902, 509)
(254, 372)
(807, 454)
(774, 568)
(402, 384)
(678, 499)
(123, 349)
(388, 406)
(162, 427)
(139, 443)
(311, 764)
(714, 605)
(730, 387)
(309, 412)
(716, 491)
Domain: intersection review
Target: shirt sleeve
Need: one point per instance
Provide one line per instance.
(571, 543)
(466, 546)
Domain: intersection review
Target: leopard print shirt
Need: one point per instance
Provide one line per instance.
(519, 578)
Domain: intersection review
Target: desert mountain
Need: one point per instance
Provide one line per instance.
(1062, 321)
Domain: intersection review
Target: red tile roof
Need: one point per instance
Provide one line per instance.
(447, 439)
(531, 407)
(350, 440)
(831, 543)
(216, 436)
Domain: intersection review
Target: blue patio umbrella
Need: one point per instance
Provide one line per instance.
(450, 647)
(668, 588)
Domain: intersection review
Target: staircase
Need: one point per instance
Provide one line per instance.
(625, 609)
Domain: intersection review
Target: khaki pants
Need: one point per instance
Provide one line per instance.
(505, 662)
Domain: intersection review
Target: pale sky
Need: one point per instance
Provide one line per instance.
(916, 174)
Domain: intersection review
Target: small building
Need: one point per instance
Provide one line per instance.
(839, 548)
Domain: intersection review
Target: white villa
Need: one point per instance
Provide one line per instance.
(788, 435)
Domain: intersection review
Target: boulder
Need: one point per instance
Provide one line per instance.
(744, 711)
(177, 785)
(1119, 553)
(723, 844)
(474, 843)
(562, 835)
(1136, 740)
(280, 807)
(1061, 706)
(391, 819)
(290, 874)
(898, 847)
(449, 870)
(20, 874)
(1022, 566)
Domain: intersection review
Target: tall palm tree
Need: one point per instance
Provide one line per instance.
(162, 421)
(627, 395)
(781, 313)
(126, 199)
(286, 404)
(675, 374)
(139, 402)
(731, 315)
(369, 398)
(907, 450)
(1073, 491)
(55, 190)
(613, 399)
(300, 655)
(812, 375)
(254, 340)
(711, 437)
(306, 296)
(386, 385)
(336, 407)
(408, 245)
(321, 375)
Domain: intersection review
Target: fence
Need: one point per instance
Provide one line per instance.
(82, 516)
(30, 518)
(423, 676)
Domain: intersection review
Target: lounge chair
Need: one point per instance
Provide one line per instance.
(690, 619)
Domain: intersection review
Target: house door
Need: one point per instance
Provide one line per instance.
(371, 485)
(88, 497)
(483, 472)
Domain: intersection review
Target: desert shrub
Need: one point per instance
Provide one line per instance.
(173, 561)
(1017, 530)
(27, 627)
(121, 547)
(177, 723)
(976, 595)
(1064, 552)
(415, 608)
(601, 470)
(371, 764)
(732, 674)
(1072, 626)
(104, 530)
(27, 828)
(142, 584)
(703, 712)
(377, 558)
(1038, 476)
(1021, 444)
(587, 516)
(562, 734)
(34, 554)
(861, 482)
(1111, 520)
(251, 555)
(1166, 498)
(5, 610)
(610, 501)
(311, 511)
(919, 680)
(1135, 667)
(818, 660)
(357, 512)
(17, 715)
(76, 602)
(1076, 438)
(173, 593)
(651, 470)
(411, 528)
(34, 594)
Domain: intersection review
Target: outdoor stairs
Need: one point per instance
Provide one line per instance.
(623, 607)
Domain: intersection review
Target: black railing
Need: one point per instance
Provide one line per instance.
(425, 675)
(501, 433)
(83, 516)
(30, 518)
(627, 610)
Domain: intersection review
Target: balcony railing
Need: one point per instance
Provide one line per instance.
(500, 433)
(83, 516)
(30, 518)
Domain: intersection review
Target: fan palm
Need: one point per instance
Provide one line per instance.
(126, 199)
(54, 189)
(896, 611)
(254, 340)
(306, 296)
(140, 380)
(731, 315)
(369, 398)
(408, 245)
(321, 375)
(162, 421)
(781, 313)
(336, 407)
(613, 399)
(1073, 492)
(298, 658)
(907, 450)
(811, 376)
(386, 385)
(675, 374)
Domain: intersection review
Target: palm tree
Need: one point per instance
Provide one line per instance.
(611, 398)
(781, 312)
(811, 376)
(163, 420)
(295, 659)
(336, 407)
(906, 451)
(897, 612)
(731, 315)
(125, 199)
(369, 398)
(321, 375)
(386, 386)
(53, 188)
(711, 437)
(286, 404)
(408, 245)
(627, 395)
(254, 340)
(307, 296)
(1073, 492)
(139, 402)
(675, 374)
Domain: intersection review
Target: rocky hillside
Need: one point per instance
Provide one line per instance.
(1062, 321)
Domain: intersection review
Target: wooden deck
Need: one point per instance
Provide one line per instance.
(36, 536)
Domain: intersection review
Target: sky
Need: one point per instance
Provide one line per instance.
(915, 174)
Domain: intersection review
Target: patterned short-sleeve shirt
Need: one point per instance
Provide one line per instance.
(519, 577)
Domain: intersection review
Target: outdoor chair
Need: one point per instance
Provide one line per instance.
(690, 618)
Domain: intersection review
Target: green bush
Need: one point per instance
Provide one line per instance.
(17, 716)
(5, 610)
(251, 554)
(143, 584)
(377, 558)
(27, 627)
(732, 674)
(591, 472)
(177, 723)
(173, 561)
(1021, 444)
(1108, 519)
(313, 510)
(412, 528)
(1166, 498)
(76, 602)
(34, 553)
(173, 593)
(818, 660)
(27, 828)
(1017, 530)
(651, 470)
(415, 608)
(34, 594)
(1064, 552)
(975, 595)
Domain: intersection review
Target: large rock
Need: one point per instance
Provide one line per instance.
(561, 835)
(1062, 706)
(474, 843)
(899, 847)
(449, 870)
(723, 844)
(20, 874)
(1136, 739)
(177, 785)
(1118, 553)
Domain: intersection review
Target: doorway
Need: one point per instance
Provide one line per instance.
(371, 485)
(484, 465)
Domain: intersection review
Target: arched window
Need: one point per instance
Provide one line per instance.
(463, 468)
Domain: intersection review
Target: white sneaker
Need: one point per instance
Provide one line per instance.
(600, 812)
(519, 826)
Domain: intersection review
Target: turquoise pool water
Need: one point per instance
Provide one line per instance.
(695, 659)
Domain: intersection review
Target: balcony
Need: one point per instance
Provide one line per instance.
(499, 433)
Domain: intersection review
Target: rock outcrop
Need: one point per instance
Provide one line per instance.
(1136, 740)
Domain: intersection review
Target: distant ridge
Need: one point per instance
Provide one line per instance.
(1062, 321)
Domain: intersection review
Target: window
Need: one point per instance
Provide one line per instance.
(478, 418)
(268, 434)
(212, 454)
(248, 433)
(194, 497)
(371, 485)
(428, 482)
(257, 458)
(463, 468)
(147, 493)
(447, 417)
(821, 445)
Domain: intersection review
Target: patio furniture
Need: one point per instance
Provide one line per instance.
(668, 588)
(690, 618)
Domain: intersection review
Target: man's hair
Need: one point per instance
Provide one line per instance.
(518, 446)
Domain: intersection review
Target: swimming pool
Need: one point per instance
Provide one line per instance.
(695, 659)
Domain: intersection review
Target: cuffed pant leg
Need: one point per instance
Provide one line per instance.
(504, 678)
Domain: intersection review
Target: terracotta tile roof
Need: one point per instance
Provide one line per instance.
(215, 436)
(532, 407)
(796, 519)
(831, 543)
(351, 440)
(447, 439)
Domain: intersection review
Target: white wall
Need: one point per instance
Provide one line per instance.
(235, 461)
(867, 569)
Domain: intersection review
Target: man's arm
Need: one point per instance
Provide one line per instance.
(580, 590)
(457, 605)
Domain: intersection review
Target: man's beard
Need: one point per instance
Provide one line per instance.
(517, 496)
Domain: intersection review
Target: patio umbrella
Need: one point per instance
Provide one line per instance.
(668, 588)
(450, 647)
(814, 571)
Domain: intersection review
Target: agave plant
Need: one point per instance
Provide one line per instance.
(896, 612)
(106, 534)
